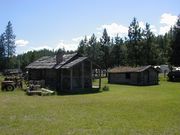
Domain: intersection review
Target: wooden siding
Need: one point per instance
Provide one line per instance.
(74, 72)
(147, 77)
(81, 76)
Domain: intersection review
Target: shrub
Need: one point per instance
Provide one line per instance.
(105, 88)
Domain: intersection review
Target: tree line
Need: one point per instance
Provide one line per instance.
(23, 60)
(141, 47)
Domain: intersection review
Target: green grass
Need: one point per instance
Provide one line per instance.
(123, 110)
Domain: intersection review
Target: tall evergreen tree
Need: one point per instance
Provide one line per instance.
(93, 52)
(134, 48)
(164, 48)
(149, 47)
(118, 53)
(82, 48)
(9, 43)
(9, 40)
(175, 57)
(105, 46)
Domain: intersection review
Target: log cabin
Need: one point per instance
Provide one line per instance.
(63, 72)
(146, 75)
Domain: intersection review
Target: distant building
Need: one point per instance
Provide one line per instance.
(12, 71)
(164, 69)
(146, 75)
(62, 72)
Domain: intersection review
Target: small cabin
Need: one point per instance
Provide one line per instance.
(146, 75)
(63, 72)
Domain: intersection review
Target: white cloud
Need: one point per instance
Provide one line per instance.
(78, 39)
(99, 33)
(154, 29)
(42, 47)
(142, 25)
(167, 20)
(164, 29)
(67, 45)
(21, 42)
(72, 44)
(114, 29)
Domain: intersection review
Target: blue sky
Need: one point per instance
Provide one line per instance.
(62, 23)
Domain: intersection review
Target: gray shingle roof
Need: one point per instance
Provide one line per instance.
(45, 62)
(48, 62)
(66, 58)
(74, 62)
(129, 69)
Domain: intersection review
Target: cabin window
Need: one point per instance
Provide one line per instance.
(128, 76)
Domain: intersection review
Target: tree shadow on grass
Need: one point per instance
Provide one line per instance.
(79, 91)
(136, 85)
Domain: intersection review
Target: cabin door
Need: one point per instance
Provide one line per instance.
(146, 77)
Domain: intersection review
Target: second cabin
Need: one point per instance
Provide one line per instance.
(146, 75)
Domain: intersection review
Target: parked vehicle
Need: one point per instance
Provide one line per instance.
(7, 85)
(10, 83)
(174, 76)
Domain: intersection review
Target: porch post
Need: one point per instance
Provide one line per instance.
(100, 78)
(61, 79)
(71, 83)
(91, 74)
(82, 75)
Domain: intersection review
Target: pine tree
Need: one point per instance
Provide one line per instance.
(105, 46)
(175, 57)
(82, 48)
(9, 43)
(93, 47)
(134, 46)
(117, 53)
(9, 40)
(149, 48)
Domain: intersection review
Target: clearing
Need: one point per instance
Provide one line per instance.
(127, 110)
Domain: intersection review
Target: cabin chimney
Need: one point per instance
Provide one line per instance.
(59, 57)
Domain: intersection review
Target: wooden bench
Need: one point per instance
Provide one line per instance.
(40, 92)
(34, 92)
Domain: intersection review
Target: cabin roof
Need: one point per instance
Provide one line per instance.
(66, 59)
(45, 62)
(48, 62)
(123, 69)
(73, 63)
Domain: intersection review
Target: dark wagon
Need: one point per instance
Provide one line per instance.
(7, 85)
(174, 76)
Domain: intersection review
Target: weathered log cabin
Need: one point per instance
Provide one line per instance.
(62, 72)
(146, 75)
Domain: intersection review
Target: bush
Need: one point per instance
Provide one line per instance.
(105, 88)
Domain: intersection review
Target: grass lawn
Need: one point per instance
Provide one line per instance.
(123, 110)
